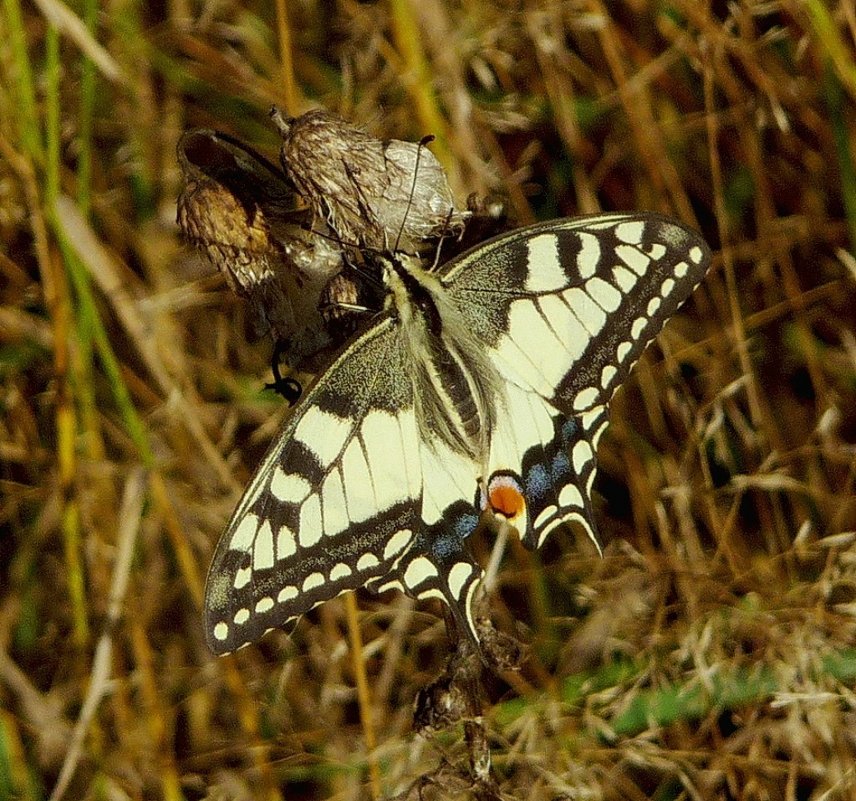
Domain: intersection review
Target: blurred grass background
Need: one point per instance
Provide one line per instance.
(709, 655)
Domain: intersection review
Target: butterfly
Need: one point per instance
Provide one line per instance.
(480, 390)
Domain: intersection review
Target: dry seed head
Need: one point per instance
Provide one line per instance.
(241, 212)
(364, 188)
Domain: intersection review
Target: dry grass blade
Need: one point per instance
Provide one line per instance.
(108, 277)
(71, 25)
(106, 274)
(129, 520)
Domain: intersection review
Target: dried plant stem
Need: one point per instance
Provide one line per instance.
(418, 80)
(289, 87)
(724, 232)
(644, 128)
(363, 695)
(248, 716)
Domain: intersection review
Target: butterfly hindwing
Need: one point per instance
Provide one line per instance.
(440, 565)
(543, 466)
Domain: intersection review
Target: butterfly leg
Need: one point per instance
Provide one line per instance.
(289, 388)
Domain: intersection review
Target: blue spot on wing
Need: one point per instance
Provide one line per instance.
(560, 467)
(568, 431)
(546, 469)
(537, 483)
(547, 466)
(452, 537)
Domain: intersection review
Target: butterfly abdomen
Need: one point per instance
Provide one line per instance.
(453, 385)
(453, 388)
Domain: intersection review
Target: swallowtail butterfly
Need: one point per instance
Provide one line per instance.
(480, 389)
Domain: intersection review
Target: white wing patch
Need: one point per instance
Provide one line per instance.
(408, 433)
(366, 562)
(511, 357)
(244, 535)
(586, 399)
(263, 549)
(287, 594)
(634, 258)
(546, 273)
(419, 571)
(630, 232)
(458, 576)
(323, 433)
(333, 503)
(624, 279)
(311, 528)
(592, 316)
(446, 477)
(397, 543)
(607, 376)
(359, 493)
(383, 448)
(589, 255)
(286, 543)
(604, 294)
(289, 487)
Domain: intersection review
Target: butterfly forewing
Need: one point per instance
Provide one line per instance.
(567, 307)
(334, 504)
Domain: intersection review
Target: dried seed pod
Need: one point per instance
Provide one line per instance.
(242, 212)
(364, 188)
(284, 239)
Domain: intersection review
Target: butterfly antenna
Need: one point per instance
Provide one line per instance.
(447, 227)
(423, 142)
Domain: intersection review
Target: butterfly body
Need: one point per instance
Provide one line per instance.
(480, 389)
(455, 388)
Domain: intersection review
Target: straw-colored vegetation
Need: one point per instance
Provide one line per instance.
(708, 655)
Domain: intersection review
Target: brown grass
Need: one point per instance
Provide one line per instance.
(709, 655)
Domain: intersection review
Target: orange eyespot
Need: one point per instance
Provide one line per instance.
(505, 497)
